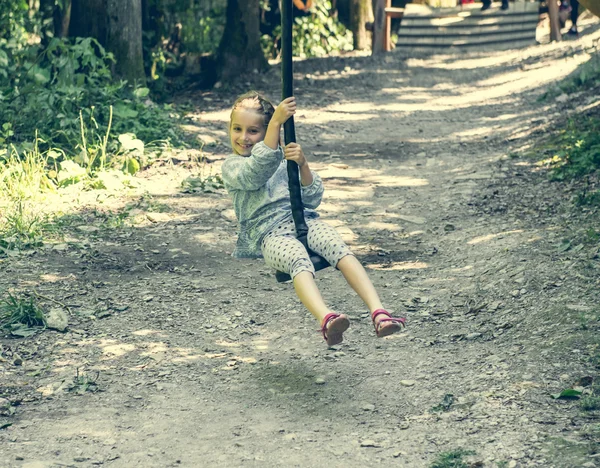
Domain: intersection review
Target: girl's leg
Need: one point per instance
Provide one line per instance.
(286, 253)
(357, 278)
(310, 296)
(326, 241)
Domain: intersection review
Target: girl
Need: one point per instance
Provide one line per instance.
(256, 178)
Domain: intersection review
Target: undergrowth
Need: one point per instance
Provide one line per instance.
(20, 316)
(573, 152)
(452, 459)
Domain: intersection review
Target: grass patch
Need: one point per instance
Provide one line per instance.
(452, 459)
(575, 150)
(21, 316)
(590, 403)
(587, 76)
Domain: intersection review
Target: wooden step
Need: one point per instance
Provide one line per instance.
(423, 26)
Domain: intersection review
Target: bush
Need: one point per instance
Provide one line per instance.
(316, 35)
(64, 97)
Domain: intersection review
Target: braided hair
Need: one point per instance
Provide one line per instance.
(255, 101)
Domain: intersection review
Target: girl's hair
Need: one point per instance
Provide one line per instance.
(253, 100)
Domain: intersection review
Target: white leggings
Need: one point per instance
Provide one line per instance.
(283, 252)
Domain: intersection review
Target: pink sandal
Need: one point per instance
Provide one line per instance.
(332, 327)
(397, 323)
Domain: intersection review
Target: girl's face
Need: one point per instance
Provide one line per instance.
(247, 128)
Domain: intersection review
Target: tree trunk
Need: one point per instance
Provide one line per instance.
(117, 25)
(89, 19)
(240, 52)
(361, 12)
(62, 19)
(125, 38)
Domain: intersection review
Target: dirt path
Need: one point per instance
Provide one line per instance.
(202, 360)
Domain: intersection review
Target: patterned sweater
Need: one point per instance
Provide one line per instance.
(258, 185)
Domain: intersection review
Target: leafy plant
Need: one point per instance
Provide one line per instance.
(66, 94)
(316, 35)
(452, 459)
(82, 383)
(21, 316)
(445, 404)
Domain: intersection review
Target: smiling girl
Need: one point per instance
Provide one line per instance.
(256, 178)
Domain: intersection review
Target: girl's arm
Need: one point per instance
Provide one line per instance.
(252, 172)
(284, 111)
(312, 186)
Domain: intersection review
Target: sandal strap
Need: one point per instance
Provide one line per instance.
(378, 312)
(328, 318)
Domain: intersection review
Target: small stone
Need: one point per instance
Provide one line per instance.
(368, 407)
(407, 383)
(86, 228)
(57, 319)
(412, 219)
(512, 464)
(17, 360)
(398, 454)
(369, 443)
(473, 336)
(320, 381)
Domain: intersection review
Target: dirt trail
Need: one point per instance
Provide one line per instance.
(203, 360)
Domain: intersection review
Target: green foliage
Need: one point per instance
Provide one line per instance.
(586, 76)
(444, 405)
(316, 35)
(67, 95)
(82, 383)
(20, 316)
(590, 403)
(574, 152)
(22, 179)
(452, 459)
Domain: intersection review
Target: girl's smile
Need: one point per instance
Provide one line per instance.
(247, 129)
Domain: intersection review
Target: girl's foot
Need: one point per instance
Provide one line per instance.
(333, 326)
(385, 324)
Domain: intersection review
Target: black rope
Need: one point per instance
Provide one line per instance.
(287, 90)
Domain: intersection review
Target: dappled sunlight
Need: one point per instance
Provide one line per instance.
(415, 233)
(477, 132)
(211, 238)
(339, 116)
(489, 237)
(398, 266)
(260, 345)
(353, 192)
(215, 116)
(396, 181)
(381, 226)
(148, 332)
(54, 278)
(111, 348)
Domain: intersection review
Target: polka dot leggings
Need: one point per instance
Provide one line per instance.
(283, 252)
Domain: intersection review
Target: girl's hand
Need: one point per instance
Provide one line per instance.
(293, 152)
(284, 110)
